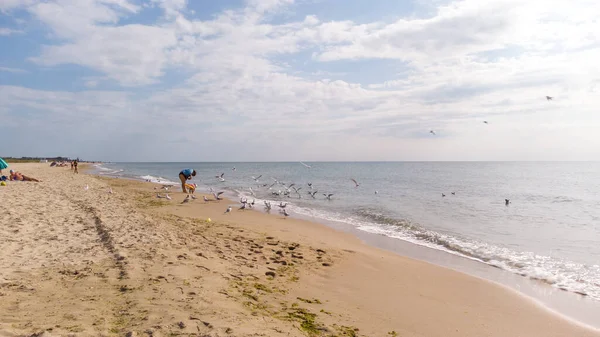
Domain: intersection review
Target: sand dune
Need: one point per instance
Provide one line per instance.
(90, 263)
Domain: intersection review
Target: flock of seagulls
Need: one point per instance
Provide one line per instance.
(282, 190)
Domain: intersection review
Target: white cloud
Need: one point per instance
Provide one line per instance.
(172, 8)
(12, 70)
(9, 31)
(466, 62)
(8, 5)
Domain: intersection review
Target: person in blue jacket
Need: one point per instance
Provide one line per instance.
(185, 175)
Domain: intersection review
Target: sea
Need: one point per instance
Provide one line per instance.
(549, 231)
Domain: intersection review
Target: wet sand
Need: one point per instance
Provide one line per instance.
(89, 262)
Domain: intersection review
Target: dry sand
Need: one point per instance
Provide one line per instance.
(87, 262)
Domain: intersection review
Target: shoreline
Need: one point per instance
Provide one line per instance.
(553, 266)
(79, 259)
(580, 310)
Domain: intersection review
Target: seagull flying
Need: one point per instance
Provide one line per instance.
(432, 132)
(443, 195)
(285, 213)
(328, 196)
(218, 196)
(307, 166)
(312, 194)
(256, 179)
(233, 168)
(506, 201)
(548, 98)
(485, 122)
(355, 183)
(310, 185)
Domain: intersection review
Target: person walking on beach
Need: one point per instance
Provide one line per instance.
(75, 167)
(185, 175)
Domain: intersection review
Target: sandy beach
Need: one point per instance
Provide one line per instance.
(85, 262)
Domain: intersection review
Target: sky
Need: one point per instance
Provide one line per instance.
(300, 80)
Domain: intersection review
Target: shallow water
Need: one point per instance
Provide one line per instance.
(550, 231)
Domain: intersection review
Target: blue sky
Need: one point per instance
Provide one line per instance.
(177, 80)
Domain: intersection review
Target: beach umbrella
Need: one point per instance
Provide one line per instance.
(3, 164)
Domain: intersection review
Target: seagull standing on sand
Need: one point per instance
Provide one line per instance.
(86, 187)
(110, 191)
(355, 183)
(205, 198)
(228, 210)
(187, 199)
(169, 198)
(285, 213)
(243, 207)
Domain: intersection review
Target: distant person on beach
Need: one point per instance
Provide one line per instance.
(75, 167)
(184, 176)
(18, 176)
(72, 166)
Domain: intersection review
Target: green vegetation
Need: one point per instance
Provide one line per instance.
(313, 301)
(306, 320)
(349, 331)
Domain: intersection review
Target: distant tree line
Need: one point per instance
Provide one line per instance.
(37, 159)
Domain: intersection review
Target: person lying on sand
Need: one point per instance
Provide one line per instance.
(184, 175)
(18, 176)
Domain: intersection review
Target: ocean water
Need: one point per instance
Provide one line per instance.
(550, 231)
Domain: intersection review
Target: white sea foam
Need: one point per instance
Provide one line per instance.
(574, 277)
(157, 180)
